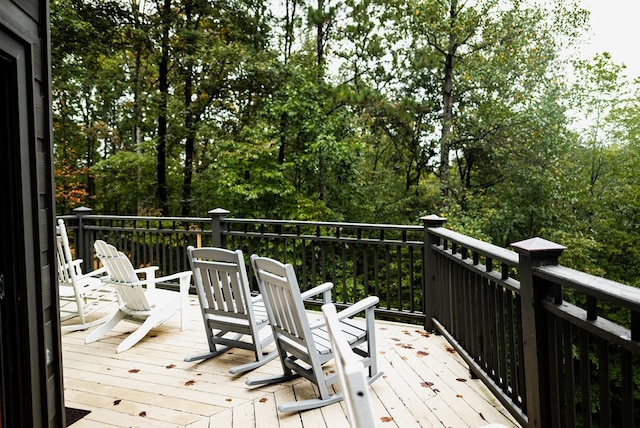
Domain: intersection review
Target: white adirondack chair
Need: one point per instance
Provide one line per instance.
(304, 347)
(79, 294)
(232, 317)
(351, 373)
(140, 300)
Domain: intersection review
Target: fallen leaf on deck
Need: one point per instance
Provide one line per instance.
(395, 339)
(263, 400)
(228, 399)
(423, 333)
(482, 416)
(404, 358)
(461, 379)
(190, 382)
(142, 414)
(449, 349)
(134, 370)
(171, 366)
(382, 352)
(459, 396)
(427, 384)
(116, 402)
(421, 353)
(386, 419)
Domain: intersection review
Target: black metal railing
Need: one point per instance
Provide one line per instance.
(557, 347)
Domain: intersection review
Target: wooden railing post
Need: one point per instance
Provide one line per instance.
(429, 286)
(532, 253)
(81, 239)
(217, 226)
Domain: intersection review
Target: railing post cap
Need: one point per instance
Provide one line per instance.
(433, 220)
(82, 210)
(219, 212)
(539, 247)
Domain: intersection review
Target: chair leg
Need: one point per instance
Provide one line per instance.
(184, 301)
(135, 337)
(253, 364)
(314, 403)
(105, 328)
(206, 355)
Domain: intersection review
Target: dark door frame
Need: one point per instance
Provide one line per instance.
(26, 353)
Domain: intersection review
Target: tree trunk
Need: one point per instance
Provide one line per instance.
(163, 71)
(447, 106)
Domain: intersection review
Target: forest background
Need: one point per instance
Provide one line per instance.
(376, 111)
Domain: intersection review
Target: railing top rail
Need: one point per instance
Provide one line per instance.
(495, 252)
(375, 226)
(601, 288)
(144, 218)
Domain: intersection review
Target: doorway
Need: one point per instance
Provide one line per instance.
(13, 371)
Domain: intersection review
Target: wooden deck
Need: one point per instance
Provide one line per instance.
(425, 384)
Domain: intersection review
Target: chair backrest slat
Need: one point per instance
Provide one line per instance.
(279, 286)
(221, 282)
(123, 276)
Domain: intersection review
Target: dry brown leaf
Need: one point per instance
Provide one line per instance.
(450, 349)
(142, 414)
(263, 400)
(459, 396)
(427, 384)
(171, 366)
(228, 400)
(134, 370)
(461, 379)
(404, 358)
(422, 353)
(386, 419)
(116, 402)
(190, 382)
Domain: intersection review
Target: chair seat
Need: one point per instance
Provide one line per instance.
(353, 331)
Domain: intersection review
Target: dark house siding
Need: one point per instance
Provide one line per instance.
(31, 371)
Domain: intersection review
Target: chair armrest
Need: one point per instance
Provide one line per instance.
(184, 278)
(362, 305)
(357, 307)
(147, 270)
(98, 272)
(325, 289)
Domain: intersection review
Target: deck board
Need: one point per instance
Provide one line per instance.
(425, 384)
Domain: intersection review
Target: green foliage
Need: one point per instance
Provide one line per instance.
(337, 112)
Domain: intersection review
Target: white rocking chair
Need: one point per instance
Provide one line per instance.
(351, 373)
(305, 347)
(140, 300)
(79, 294)
(229, 312)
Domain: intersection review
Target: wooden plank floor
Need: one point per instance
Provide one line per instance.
(425, 384)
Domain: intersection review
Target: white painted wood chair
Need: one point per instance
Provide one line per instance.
(351, 373)
(232, 317)
(304, 346)
(80, 295)
(139, 300)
